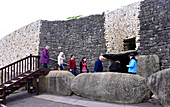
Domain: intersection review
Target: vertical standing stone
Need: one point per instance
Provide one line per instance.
(158, 83)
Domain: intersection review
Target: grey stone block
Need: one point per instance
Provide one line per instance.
(158, 83)
(57, 82)
(147, 65)
(111, 87)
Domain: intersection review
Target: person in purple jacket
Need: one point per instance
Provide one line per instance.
(44, 58)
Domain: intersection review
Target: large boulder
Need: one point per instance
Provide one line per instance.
(147, 65)
(159, 84)
(111, 87)
(57, 82)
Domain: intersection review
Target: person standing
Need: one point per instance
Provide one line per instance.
(44, 58)
(83, 66)
(115, 67)
(132, 67)
(61, 57)
(98, 65)
(72, 65)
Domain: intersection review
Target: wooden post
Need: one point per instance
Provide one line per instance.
(37, 86)
(17, 69)
(33, 64)
(27, 64)
(14, 70)
(2, 76)
(22, 67)
(5, 75)
(38, 63)
(31, 87)
(30, 62)
(8, 73)
(11, 72)
(28, 87)
(4, 95)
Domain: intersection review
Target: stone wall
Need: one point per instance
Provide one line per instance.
(20, 43)
(82, 37)
(155, 30)
(121, 24)
(147, 21)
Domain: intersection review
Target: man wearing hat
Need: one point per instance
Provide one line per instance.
(98, 65)
(132, 67)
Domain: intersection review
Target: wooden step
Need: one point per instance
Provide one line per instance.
(30, 77)
(1, 100)
(1, 105)
(1, 96)
(20, 77)
(27, 74)
(8, 91)
(14, 81)
(7, 85)
(16, 86)
(23, 81)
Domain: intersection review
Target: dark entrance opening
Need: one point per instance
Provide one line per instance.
(123, 57)
(129, 44)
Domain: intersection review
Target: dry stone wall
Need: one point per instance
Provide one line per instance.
(82, 37)
(121, 24)
(155, 30)
(148, 21)
(20, 43)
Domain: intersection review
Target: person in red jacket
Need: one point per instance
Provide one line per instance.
(72, 65)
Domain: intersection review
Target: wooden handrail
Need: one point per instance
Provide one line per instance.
(57, 61)
(17, 68)
(17, 61)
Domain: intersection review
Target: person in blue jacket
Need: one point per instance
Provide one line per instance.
(98, 65)
(132, 67)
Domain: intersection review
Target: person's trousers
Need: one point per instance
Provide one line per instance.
(45, 65)
(62, 67)
(74, 72)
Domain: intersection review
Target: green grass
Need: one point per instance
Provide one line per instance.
(15, 92)
(75, 17)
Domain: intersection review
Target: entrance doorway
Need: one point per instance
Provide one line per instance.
(129, 44)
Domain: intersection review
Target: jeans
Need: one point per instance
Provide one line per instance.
(45, 65)
(74, 72)
(62, 67)
(84, 71)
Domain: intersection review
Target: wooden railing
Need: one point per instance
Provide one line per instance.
(11, 71)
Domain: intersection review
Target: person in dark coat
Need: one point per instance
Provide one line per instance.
(98, 65)
(44, 58)
(83, 66)
(115, 67)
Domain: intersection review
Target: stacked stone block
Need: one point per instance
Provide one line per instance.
(155, 30)
(20, 43)
(147, 21)
(82, 37)
(121, 24)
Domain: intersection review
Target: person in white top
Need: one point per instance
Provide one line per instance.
(61, 57)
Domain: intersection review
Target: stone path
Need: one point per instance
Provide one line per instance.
(23, 99)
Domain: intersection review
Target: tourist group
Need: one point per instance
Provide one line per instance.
(115, 66)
